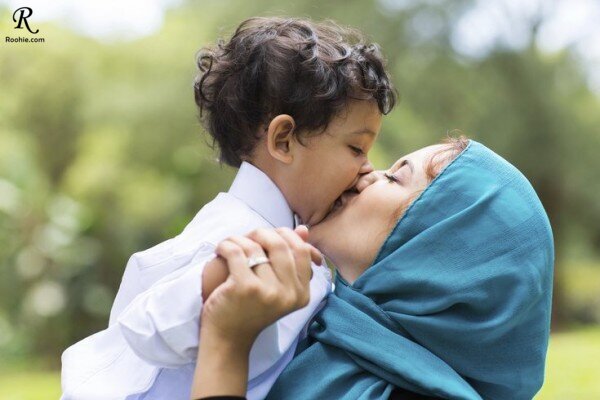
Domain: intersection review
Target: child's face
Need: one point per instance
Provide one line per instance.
(332, 162)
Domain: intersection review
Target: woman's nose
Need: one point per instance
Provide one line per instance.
(368, 179)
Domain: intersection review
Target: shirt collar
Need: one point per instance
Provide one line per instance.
(259, 192)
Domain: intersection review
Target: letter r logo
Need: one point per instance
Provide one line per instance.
(24, 13)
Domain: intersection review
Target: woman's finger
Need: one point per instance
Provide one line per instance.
(302, 231)
(315, 255)
(279, 252)
(253, 250)
(237, 262)
(301, 252)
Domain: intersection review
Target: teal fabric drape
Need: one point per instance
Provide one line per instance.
(456, 304)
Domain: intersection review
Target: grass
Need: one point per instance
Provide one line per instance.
(573, 372)
(573, 366)
(29, 385)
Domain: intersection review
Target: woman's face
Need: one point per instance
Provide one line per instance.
(360, 221)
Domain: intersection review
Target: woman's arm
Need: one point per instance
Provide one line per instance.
(222, 368)
(249, 300)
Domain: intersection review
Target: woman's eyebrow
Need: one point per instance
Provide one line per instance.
(401, 163)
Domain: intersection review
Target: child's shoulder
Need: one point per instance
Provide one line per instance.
(220, 218)
(224, 216)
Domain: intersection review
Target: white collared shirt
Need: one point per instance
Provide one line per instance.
(149, 349)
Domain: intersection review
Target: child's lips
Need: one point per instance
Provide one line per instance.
(337, 204)
(347, 196)
(334, 207)
(343, 200)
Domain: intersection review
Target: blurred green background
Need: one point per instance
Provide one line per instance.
(101, 155)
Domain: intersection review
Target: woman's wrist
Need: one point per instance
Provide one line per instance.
(214, 341)
(222, 367)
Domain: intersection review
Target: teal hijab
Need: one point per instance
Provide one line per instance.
(456, 304)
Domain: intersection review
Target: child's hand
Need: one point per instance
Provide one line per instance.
(250, 299)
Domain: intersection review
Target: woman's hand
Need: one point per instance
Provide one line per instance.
(249, 300)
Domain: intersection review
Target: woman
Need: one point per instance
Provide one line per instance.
(453, 303)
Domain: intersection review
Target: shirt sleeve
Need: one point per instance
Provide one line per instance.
(161, 325)
(129, 288)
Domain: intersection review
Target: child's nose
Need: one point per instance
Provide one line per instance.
(366, 168)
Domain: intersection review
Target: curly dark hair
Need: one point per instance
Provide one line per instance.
(273, 66)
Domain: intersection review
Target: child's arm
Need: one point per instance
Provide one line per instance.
(161, 325)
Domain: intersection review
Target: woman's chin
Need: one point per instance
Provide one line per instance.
(323, 234)
(315, 233)
(326, 223)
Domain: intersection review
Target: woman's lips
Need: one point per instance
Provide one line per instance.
(347, 196)
(339, 204)
(334, 208)
(342, 201)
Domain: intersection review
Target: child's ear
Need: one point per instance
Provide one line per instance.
(280, 137)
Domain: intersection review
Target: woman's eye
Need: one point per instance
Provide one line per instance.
(391, 178)
(356, 150)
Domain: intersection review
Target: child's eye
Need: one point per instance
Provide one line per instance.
(356, 150)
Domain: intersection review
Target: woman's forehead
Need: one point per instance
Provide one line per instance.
(420, 154)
